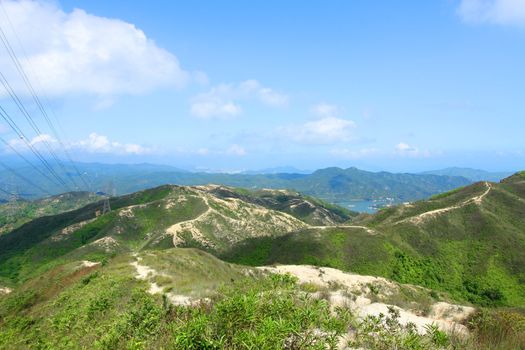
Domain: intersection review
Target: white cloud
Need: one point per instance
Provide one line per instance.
(326, 130)
(223, 100)
(36, 141)
(41, 139)
(80, 53)
(272, 98)
(504, 12)
(325, 110)
(214, 107)
(96, 143)
(404, 149)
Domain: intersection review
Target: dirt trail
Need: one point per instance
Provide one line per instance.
(421, 217)
(5, 290)
(189, 225)
(231, 204)
(354, 291)
(146, 273)
(367, 229)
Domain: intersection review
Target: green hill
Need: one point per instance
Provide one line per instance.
(210, 217)
(469, 242)
(19, 212)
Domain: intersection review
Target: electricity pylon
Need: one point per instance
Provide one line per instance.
(107, 206)
(110, 192)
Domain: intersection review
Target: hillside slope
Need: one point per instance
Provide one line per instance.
(15, 214)
(469, 242)
(188, 299)
(209, 217)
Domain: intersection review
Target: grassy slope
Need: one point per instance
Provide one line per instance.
(476, 252)
(308, 209)
(30, 249)
(74, 306)
(137, 221)
(14, 215)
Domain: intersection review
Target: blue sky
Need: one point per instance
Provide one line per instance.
(232, 85)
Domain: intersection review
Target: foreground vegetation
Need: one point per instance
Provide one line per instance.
(103, 307)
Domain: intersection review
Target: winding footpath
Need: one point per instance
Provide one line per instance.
(421, 217)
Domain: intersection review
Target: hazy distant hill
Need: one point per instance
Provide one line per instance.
(331, 184)
(278, 170)
(336, 184)
(473, 175)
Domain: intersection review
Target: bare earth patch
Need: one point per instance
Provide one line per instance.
(5, 290)
(147, 273)
(234, 216)
(353, 291)
(87, 263)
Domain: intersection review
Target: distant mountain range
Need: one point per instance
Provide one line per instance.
(473, 175)
(278, 170)
(331, 184)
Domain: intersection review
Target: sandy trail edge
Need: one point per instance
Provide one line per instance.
(446, 316)
(146, 273)
(431, 213)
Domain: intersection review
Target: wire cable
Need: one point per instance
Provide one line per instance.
(28, 161)
(35, 151)
(37, 100)
(23, 178)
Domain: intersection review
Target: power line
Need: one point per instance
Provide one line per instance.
(24, 178)
(27, 161)
(27, 81)
(35, 151)
(29, 119)
(23, 137)
(6, 192)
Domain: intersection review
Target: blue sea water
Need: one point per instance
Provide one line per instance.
(364, 206)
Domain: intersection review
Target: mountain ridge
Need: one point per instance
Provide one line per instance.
(330, 184)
